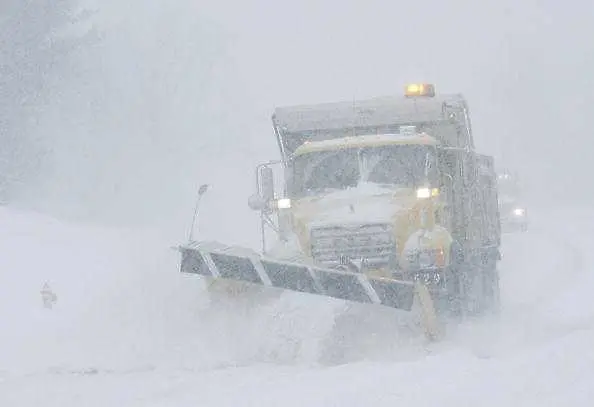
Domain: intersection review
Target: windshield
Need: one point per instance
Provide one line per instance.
(391, 166)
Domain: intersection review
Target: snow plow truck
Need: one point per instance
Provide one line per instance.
(383, 201)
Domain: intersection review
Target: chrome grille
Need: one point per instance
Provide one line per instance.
(335, 245)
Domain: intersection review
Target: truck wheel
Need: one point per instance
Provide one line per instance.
(449, 304)
(491, 291)
(455, 303)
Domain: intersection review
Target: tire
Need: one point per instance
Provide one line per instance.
(482, 293)
(473, 287)
(491, 289)
(454, 304)
(450, 305)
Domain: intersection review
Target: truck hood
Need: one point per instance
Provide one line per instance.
(366, 203)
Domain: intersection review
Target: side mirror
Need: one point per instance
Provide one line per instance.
(267, 184)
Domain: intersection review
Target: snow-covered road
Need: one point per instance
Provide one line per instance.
(129, 330)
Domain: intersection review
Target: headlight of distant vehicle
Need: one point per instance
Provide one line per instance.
(519, 212)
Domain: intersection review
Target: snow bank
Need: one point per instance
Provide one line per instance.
(128, 329)
(122, 305)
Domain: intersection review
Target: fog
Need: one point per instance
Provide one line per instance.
(169, 95)
(114, 112)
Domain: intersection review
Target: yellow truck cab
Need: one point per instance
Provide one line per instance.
(361, 199)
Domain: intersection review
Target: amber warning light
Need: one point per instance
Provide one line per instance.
(419, 89)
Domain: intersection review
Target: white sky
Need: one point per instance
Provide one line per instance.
(181, 93)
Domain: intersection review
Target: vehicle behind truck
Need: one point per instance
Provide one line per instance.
(512, 206)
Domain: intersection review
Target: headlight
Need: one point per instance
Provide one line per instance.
(423, 193)
(519, 212)
(284, 203)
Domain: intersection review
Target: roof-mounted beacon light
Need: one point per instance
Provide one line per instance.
(419, 89)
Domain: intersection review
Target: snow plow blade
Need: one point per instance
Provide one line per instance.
(233, 263)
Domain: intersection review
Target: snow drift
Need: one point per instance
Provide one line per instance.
(129, 329)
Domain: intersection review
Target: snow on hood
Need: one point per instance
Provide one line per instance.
(366, 203)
